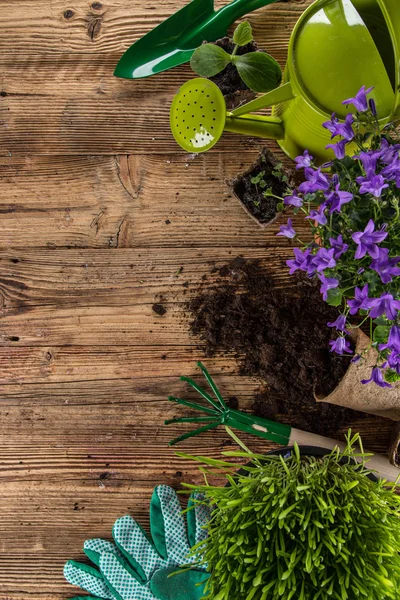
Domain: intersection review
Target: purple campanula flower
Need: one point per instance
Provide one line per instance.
(337, 198)
(304, 160)
(293, 200)
(369, 161)
(328, 283)
(343, 129)
(394, 361)
(377, 377)
(388, 152)
(361, 300)
(392, 170)
(339, 148)
(367, 240)
(287, 230)
(337, 128)
(385, 305)
(393, 340)
(372, 107)
(302, 260)
(339, 324)
(316, 181)
(372, 184)
(359, 101)
(356, 359)
(385, 266)
(324, 260)
(340, 346)
(338, 245)
(318, 216)
(332, 124)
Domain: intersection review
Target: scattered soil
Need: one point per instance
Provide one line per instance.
(279, 335)
(159, 309)
(251, 195)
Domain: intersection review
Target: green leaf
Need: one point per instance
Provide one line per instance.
(208, 60)
(335, 297)
(391, 376)
(243, 34)
(381, 334)
(259, 71)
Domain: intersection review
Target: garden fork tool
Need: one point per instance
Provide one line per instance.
(216, 412)
(173, 42)
(336, 47)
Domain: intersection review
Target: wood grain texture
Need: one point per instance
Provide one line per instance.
(128, 201)
(58, 93)
(101, 216)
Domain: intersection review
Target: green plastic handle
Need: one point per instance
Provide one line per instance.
(272, 98)
(269, 430)
(238, 8)
(270, 128)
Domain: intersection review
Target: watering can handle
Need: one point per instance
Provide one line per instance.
(280, 94)
(238, 8)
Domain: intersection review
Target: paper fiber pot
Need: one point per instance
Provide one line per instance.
(369, 398)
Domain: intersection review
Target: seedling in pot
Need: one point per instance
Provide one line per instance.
(261, 188)
(259, 71)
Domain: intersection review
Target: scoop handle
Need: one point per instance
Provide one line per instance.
(238, 8)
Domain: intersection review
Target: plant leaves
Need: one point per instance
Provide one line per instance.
(243, 34)
(208, 60)
(335, 296)
(259, 71)
(381, 334)
(391, 376)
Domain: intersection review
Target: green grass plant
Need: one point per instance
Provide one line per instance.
(300, 527)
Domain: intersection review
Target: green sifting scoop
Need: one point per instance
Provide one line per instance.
(173, 42)
(199, 117)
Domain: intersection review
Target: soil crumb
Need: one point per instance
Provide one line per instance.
(278, 335)
(159, 309)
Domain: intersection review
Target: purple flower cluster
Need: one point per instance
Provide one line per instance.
(354, 213)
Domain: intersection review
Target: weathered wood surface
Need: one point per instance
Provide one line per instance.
(58, 93)
(101, 215)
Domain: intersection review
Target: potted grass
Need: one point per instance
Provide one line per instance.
(353, 211)
(300, 523)
(237, 66)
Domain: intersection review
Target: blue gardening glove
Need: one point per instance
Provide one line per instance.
(136, 568)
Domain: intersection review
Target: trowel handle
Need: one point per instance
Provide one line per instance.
(238, 8)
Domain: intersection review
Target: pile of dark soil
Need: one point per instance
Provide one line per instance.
(279, 335)
(274, 178)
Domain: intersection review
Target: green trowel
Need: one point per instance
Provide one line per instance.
(173, 42)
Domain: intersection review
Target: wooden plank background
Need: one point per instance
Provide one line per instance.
(100, 214)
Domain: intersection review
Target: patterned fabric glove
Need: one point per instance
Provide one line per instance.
(135, 568)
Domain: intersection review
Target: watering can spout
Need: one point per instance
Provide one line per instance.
(255, 126)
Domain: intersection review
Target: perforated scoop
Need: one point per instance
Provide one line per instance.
(198, 115)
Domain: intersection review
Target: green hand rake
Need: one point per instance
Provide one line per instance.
(217, 412)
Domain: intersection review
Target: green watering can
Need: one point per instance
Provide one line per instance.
(336, 47)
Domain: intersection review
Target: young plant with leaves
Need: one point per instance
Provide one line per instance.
(259, 71)
(300, 527)
(354, 215)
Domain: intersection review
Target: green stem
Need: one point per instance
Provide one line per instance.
(236, 48)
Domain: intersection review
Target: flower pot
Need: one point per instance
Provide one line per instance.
(368, 398)
(240, 185)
